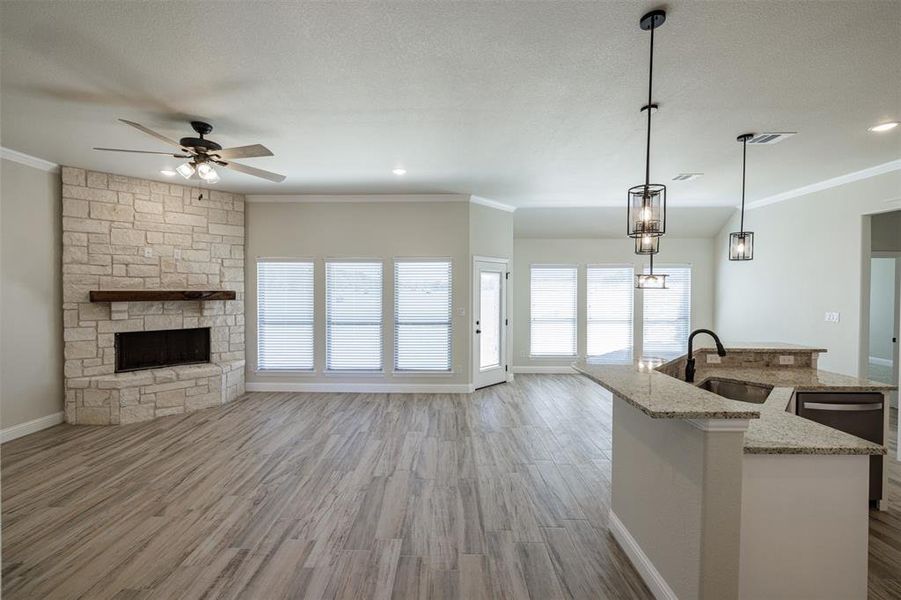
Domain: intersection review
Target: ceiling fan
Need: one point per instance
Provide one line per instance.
(204, 154)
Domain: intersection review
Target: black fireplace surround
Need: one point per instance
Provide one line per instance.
(136, 350)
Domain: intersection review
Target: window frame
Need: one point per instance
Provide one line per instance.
(327, 370)
(575, 319)
(294, 260)
(632, 311)
(450, 317)
(644, 316)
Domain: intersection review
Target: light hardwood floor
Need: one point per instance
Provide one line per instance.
(499, 494)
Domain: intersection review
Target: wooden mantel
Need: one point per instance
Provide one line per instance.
(160, 295)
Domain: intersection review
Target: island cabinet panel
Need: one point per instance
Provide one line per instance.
(859, 413)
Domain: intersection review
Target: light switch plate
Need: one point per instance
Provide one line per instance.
(832, 317)
(714, 359)
(461, 311)
(786, 359)
(148, 252)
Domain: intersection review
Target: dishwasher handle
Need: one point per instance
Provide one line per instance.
(843, 407)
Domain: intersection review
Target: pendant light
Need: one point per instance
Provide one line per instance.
(741, 242)
(647, 244)
(651, 280)
(646, 204)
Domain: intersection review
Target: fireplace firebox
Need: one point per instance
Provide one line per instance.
(137, 350)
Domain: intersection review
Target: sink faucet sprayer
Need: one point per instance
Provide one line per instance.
(690, 363)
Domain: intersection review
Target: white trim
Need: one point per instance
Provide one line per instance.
(17, 431)
(365, 388)
(491, 203)
(884, 362)
(543, 369)
(354, 198)
(491, 259)
(28, 161)
(640, 560)
(719, 424)
(894, 165)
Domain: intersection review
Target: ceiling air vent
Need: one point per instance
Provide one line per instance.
(771, 137)
(686, 176)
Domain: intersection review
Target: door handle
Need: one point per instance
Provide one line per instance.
(478, 331)
(843, 407)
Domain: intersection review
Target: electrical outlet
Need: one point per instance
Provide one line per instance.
(714, 359)
(177, 253)
(148, 252)
(461, 311)
(786, 359)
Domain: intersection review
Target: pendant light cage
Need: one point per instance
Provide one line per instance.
(741, 242)
(741, 245)
(647, 244)
(646, 212)
(651, 280)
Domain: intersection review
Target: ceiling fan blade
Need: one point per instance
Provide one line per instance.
(158, 136)
(255, 172)
(251, 151)
(144, 152)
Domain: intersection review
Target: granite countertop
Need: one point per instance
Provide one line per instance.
(781, 432)
(771, 429)
(663, 397)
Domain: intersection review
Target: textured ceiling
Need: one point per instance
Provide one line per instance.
(530, 104)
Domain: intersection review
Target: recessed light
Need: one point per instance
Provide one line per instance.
(399, 171)
(884, 127)
(168, 172)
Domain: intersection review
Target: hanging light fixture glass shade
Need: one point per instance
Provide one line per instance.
(651, 280)
(186, 170)
(646, 203)
(647, 244)
(741, 242)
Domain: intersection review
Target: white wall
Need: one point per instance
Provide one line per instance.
(696, 252)
(882, 307)
(810, 254)
(31, 344)
(339, 229)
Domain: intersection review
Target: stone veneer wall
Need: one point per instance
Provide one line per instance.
(126, 233)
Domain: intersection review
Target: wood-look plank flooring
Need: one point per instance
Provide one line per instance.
(500, 494)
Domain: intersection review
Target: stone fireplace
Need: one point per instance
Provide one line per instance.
(130, 361)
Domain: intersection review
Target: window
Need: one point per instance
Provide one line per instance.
(353, 310)
(667, 314)
(284, 315)
(553, 311)
(422, 316)
(609, 314)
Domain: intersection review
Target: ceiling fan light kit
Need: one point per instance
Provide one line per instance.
(204, 154)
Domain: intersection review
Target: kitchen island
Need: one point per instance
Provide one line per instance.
(720, 498)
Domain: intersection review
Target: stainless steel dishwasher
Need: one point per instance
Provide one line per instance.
(859, 414)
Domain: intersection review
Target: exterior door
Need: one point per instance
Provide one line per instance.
(489, 323)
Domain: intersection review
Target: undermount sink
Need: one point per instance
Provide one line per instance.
(744, 392)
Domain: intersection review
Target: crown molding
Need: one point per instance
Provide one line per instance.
(28, 160)
(491, 203)
(893, 165)
(353, 198)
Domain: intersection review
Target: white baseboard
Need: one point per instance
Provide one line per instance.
(17, 431)
(361, 388)
(640, 560)
(548, 370)
(885, 362)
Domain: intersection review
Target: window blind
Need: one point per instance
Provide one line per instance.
(609, 312)
(353, 316)
(667, 314)
(284, 315)
(422, 316)
(553, 311)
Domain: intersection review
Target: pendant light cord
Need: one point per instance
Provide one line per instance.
(647, 161)
(744, 164)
